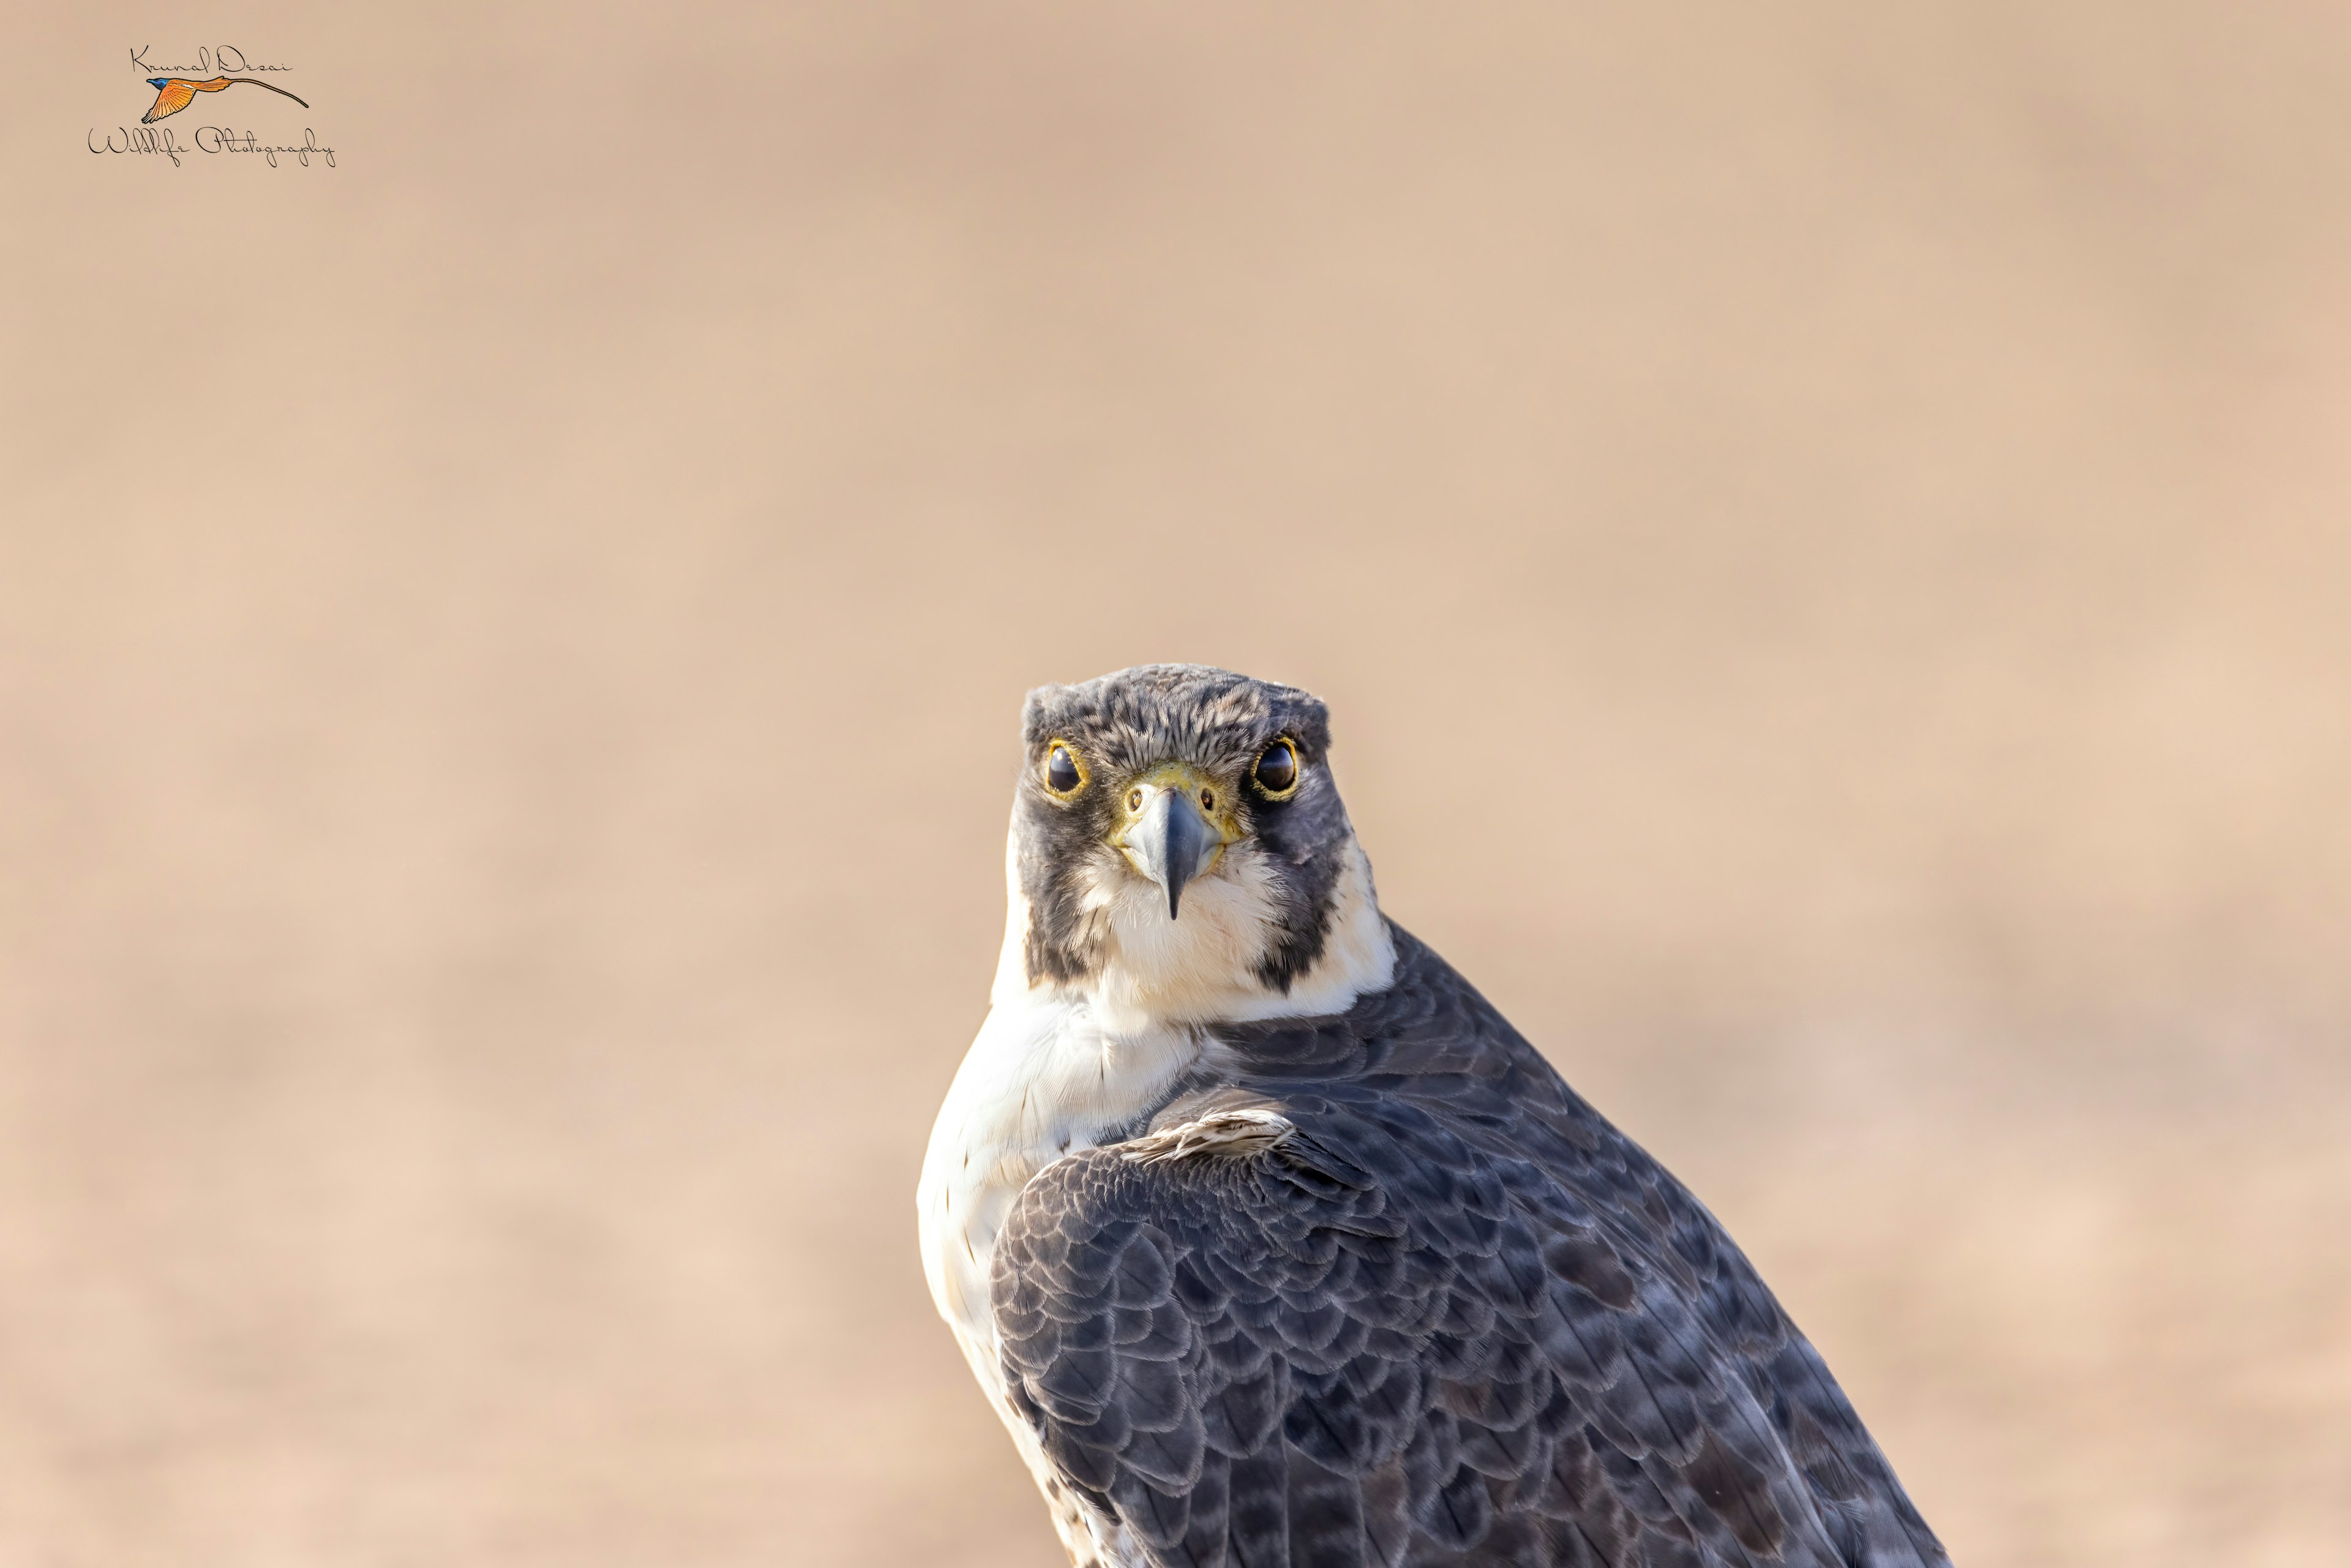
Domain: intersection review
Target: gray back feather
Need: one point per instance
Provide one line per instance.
(1456, 1318)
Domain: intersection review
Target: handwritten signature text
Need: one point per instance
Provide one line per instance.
(209, 140)
(224, 57)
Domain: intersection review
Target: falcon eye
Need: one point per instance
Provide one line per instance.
(1276, 768)
(1062, 774)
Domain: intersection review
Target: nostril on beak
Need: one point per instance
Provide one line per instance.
(1170, 842)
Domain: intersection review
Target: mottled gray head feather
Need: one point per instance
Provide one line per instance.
(1126, 724)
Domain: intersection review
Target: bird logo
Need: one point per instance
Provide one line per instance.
(174, 94)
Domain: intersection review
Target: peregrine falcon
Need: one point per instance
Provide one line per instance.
(1273, 1243)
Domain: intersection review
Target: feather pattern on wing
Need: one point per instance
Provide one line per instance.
(174, 95)
(1450, 1314)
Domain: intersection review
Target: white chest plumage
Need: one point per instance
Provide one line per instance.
(1041, 1079)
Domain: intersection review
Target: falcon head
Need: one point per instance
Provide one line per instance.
(1177, 840)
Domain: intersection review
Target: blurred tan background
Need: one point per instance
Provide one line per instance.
(1823, 528)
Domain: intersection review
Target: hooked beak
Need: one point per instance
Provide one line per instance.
(1170, 840)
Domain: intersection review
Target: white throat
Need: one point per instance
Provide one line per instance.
(1201, 969)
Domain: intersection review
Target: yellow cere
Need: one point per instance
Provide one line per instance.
(1215, 799)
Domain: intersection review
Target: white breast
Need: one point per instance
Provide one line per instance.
(1041, 1079)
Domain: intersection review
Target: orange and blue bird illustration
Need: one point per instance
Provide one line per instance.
(174, 94)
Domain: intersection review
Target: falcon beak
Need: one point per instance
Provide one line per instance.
(1170, 837)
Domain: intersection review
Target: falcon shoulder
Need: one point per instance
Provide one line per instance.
(1391, 1294)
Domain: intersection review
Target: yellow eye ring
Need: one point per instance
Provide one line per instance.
(1278, 770)
(1064, 771)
